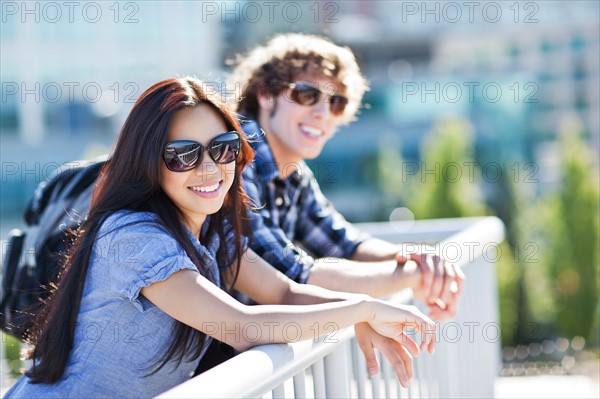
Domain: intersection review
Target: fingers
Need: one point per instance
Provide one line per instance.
(426, 269)
(402, 258)
(459, 279)
(397, 351)
(366, 347)
(393, 320)
(451, 294)
(428, 332)
(439, 314)
(449, 286)
(407, 342)
(438, 278)
(399, 358)
(425, 326)
(442, 285)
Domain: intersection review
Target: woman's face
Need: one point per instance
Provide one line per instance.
(200, 191)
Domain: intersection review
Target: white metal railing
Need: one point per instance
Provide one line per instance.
(467, 357)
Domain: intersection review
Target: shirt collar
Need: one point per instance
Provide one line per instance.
(264, 161)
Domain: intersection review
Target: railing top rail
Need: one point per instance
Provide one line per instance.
(437, 230)
(264, 367)
(275, 363)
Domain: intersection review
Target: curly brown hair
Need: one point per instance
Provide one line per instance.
(284, 58)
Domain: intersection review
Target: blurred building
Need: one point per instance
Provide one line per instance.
(71, 72)
(561, 61)
(513, 69)
(67, 68)
(542, 56)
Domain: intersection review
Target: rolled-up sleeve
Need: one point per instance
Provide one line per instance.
(140, 253)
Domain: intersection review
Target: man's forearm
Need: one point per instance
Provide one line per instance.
(372, 278)
(376, 250)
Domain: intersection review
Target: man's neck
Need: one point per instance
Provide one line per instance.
(286, 164)
(287, 161)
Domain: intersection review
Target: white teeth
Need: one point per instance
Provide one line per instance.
(312, 131)
(206, 189)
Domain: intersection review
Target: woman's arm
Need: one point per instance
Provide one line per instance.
(192, 299)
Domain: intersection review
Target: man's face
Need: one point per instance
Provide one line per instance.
(294, 131)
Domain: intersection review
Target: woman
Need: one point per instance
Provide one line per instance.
(142, 291)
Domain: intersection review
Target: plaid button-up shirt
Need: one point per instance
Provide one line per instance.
(293, 222)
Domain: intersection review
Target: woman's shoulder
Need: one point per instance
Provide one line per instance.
(126, 222)
(136, 238)
(125, 218)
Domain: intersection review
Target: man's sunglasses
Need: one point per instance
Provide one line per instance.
(306, 94)
(184, 155)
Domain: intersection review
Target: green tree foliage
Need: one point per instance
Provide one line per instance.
(572, 224)
(526, 308)
(390, 171)
(507, 202)
(12, 348)
(446, 183)
(510, 296)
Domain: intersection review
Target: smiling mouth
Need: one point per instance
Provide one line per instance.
(312, 131)
(206, 189)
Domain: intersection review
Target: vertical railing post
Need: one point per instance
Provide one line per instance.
(318, 374)
(360, 369)
(300, 385)
(337, 381)
(278, 392)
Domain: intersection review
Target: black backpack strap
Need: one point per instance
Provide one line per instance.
(10, 264)
(46, 192)
(75, 179)
(70, 178)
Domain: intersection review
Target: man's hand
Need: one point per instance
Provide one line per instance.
(397, 354)
(441, 283)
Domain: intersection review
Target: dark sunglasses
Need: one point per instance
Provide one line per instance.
(306, 94)
(184, 155)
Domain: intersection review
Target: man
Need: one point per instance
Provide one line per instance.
(298, 89)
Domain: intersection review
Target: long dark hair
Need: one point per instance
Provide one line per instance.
(131, 181)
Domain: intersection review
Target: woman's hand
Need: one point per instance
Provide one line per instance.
(392, 320)
(399, 355)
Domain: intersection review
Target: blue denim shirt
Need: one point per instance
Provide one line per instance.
(119, 333)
